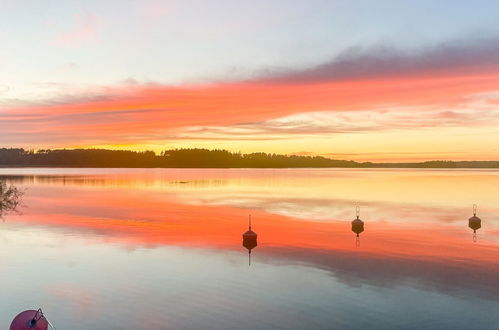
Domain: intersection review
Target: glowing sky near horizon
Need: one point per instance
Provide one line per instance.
(362, 80)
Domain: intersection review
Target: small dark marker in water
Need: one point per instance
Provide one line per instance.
(250, 240)
(357, 227)
(474, 222)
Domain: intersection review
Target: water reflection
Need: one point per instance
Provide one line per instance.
(249, 240)
(474, 222)
(140, 222)
(10, 197)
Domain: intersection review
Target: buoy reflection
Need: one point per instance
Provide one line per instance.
(474, 223)
(357, 226)
(250, 240)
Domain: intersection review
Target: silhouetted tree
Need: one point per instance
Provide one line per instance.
(10, 197)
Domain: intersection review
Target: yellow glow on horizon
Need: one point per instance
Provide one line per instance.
(451, 143)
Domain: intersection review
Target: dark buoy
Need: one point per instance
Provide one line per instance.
(249, 240)
(30, 320)
(357, 226)
(474, 222)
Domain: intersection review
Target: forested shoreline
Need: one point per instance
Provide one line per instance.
(198, 158)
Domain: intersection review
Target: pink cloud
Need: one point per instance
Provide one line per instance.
(135, 114)
(85, 30)
(154, 9)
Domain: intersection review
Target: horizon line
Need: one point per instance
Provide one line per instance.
(158, 154)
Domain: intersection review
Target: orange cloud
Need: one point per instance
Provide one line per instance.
(146, 112)
(437, 80)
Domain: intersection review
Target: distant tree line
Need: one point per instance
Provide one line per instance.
(197, 158)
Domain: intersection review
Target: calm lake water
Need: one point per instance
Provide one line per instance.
(162, 249)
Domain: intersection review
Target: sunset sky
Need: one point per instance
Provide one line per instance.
(363, 80)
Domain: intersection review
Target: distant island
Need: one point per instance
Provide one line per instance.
(198, 158)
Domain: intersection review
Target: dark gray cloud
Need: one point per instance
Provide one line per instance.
(386, 60)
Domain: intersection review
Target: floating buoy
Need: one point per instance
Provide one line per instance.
(30, 320)
(357, 226)
(250, 240)
(474, 222)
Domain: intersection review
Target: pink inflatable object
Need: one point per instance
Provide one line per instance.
(29, 320)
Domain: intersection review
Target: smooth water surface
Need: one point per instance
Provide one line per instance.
(162, 249)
